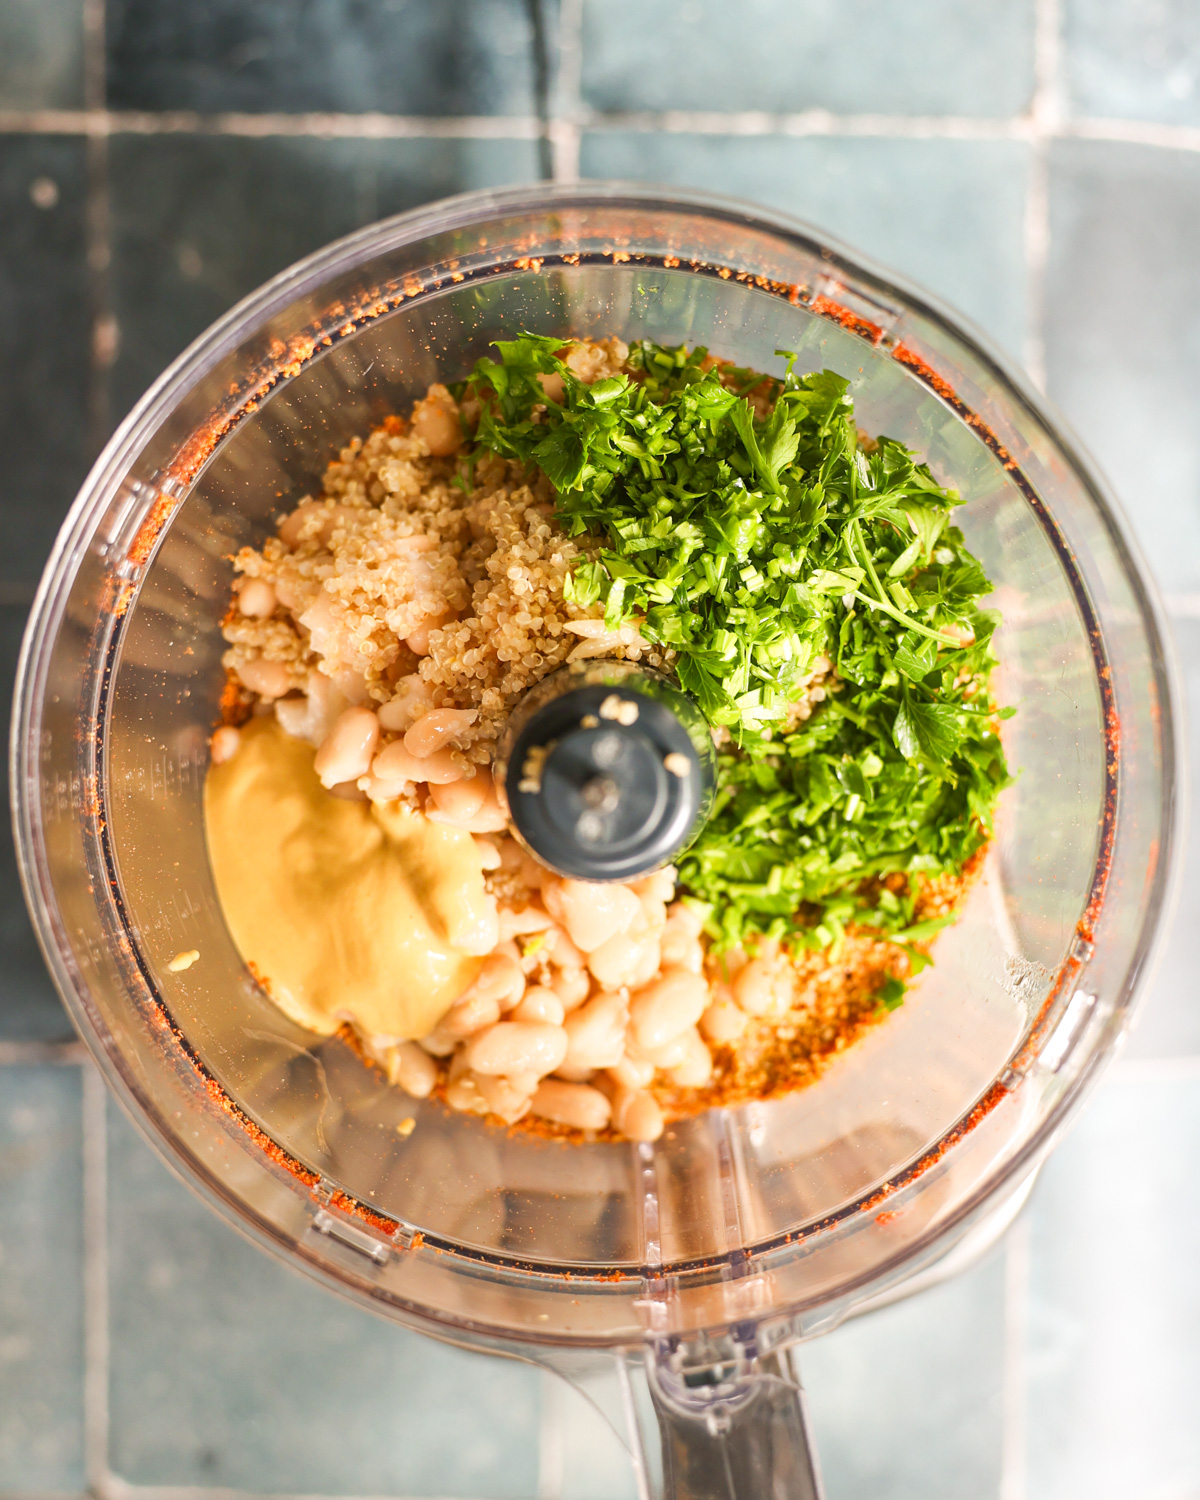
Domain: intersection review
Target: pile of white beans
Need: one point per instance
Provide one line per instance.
(593, 992)
(588, 993)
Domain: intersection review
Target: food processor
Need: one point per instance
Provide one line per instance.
(668, 1281)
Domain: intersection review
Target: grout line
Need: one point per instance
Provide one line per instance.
(1135, 133)
(1182, 606)
(1156, 1069)
(1037, 255)
(328, 126)
(96, 214)
(1013, 1462)
(567, 124)
(808, 122)
(95, 1288)
(540, 60)
(120, 1489)
(566, 100)
(25, 1054)
(1046, 118)
(633, 1428)
(95, 59)
(550, 1438)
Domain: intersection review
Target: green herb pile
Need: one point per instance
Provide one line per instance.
(751, 547)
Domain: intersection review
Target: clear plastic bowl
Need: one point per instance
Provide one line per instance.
(750, 1227)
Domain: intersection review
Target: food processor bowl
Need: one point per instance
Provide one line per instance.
(741, 1231)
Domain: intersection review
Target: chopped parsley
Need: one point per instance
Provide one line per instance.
(751, 546)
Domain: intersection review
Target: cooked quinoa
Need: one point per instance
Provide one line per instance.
(424, 579)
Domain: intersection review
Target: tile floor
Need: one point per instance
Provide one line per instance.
(1037, 163)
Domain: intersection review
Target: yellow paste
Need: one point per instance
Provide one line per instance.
(345, 909)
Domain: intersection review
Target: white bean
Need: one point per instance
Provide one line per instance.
(417, 640)
(575, 1104)
(345, 752)
(540, 1004)
(500, 979)
(463, 1094)
(472, 922)
(224, 744)
(459, 800)
(571, 986)
(256, 599)
(528, 919)
(435, 420)
(668, 1006)
(563, 952)
(617, 960)
(681, 948)
(637, 1115)
(654, 912)
(660, 886)
(724, 1021)
(466, 1017)
(306, 518)
(413, 1069)
(517, 1047)
(649, 963)
(764, 987)
(686, 916)
(491, 817)
(694, 1069)
(437, 729)
(396, 763)
(592, 912)
(412, 700)
(670, 1054)
(293, 716)
(348, 791)
(574, 1075)
(269, 679)
(504, 1096)
(633, 1071)
(596, 1032)
(489, 855)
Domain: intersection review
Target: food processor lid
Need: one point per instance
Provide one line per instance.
(703, 1252)
(607, 770)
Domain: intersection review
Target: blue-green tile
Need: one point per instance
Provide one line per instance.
(1133, 61)
(852, 56)
(41, 54)
(907, 1403)
(41, 1280)
(1123, 333)
(415, 57)
(45, 340)
(1114, 1336)
(1169, 1022)
(30, 1009)
(586, 1453)
(199, 221)
(230, 1370)
(947, 213)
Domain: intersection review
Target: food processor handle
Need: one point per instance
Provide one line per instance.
(754, 1445)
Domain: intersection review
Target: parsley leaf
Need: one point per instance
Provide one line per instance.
(750, 530)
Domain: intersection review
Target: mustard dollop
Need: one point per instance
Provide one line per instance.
(345, 910)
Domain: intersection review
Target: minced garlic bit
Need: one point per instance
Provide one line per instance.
(677, 764)
(406, 1127)
(183, 961)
